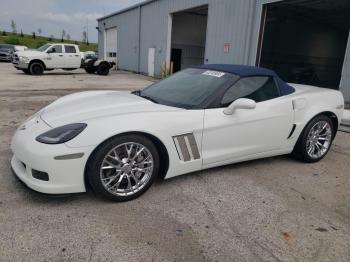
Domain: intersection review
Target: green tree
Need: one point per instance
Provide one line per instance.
(22, 35)
(34, 36)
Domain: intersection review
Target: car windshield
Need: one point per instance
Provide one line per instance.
(6, 47)
(189, 88)
(43, 48)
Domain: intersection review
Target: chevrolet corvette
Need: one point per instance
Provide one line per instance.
(118, 143)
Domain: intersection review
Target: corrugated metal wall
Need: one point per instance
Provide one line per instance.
(229, 21)
(128, 38)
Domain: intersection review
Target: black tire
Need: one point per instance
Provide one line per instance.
(89, 70)
(103, 69)
(36, 68)
(26, 71)
(96, 160)
(300, 149)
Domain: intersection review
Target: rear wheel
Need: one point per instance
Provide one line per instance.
(36, 68)
(123, 168)
(315, 140)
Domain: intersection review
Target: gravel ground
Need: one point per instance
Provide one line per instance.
(274, 209)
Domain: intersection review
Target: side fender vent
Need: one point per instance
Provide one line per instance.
(186, 147)
(292, 131)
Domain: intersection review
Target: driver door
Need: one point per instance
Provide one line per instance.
(55, 57)
(247, 132)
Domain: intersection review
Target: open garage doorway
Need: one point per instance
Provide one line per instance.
(189, 33)
(305, 41)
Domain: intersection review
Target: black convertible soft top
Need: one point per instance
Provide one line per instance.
(246, 71)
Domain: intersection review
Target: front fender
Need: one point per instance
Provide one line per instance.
(162, 125)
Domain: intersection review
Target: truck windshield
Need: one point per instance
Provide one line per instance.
(43, 48)
(189, 88)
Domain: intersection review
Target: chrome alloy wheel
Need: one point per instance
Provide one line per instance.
(126, 169)
(319, 139)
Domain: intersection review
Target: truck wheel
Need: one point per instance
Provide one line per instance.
(26, 71)
(36, 68)
(103, 69)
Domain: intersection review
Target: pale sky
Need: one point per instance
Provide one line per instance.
(74, 16)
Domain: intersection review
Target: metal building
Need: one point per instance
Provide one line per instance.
(305, 41)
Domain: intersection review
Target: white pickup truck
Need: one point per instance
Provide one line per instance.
(57, 56)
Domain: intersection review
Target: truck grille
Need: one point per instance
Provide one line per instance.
(15, 59)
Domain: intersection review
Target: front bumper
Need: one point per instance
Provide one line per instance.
(65, 176)
(6, 58)
(20, 64)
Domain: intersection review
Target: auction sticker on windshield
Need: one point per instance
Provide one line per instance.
(213, 73)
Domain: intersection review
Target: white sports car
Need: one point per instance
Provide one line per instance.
(212, 115)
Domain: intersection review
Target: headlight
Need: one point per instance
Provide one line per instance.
(24, 59)
(61, 134)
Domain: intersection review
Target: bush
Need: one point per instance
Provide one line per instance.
(13, 41)
(4, 33)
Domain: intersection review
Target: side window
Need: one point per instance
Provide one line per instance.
(55, 49)
(257, 88)
(112, 54)
(70, 49)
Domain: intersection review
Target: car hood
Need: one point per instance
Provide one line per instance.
(29, 53)
(81, 107)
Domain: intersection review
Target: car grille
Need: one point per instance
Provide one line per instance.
(3, 55)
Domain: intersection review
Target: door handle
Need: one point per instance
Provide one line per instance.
(60, 55)
(76, 55)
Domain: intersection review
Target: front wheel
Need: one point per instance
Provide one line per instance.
(26, 71)
(36, 68)
(315, 140)
(123, 168)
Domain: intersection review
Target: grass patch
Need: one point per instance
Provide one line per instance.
(30, 42)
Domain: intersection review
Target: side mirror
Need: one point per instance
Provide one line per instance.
(242, 103)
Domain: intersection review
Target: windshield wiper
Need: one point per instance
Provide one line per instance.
(149, 98)
(139, 93)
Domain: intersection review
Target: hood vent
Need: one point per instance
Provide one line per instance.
(186, 147)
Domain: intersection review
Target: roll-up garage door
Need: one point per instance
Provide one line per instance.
(111, 44)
